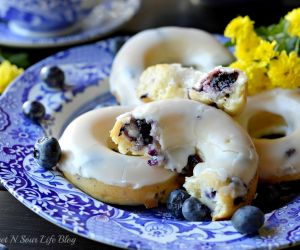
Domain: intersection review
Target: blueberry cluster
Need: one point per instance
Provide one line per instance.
(246, 220)
(53, 76)
(181, 205)
(47, 151)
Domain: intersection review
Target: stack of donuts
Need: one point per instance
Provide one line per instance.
(183, 121)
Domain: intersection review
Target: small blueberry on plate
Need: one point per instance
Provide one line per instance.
(53, 76)
(47, 152)
(248, 219)
(175, 201)
(34, 110)
(194, 210)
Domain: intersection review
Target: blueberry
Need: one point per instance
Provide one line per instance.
(222, 80)
(47, 152)
(248, 219)
(34, 110)
(53, 76)
(144, 129)
(175, 201)
(194, 210)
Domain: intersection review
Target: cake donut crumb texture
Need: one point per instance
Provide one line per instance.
(167, 81)
(169, 131)
(222, 87)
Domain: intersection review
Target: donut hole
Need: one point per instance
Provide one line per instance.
(267, 125)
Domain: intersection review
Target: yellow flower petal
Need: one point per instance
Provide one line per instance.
(264, 52)
(241, 31)
(244, 50)
(240, 28)
(257, 76)
(8, 72)
(294, 18)
(284, 71)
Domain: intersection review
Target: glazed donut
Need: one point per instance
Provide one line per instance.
(275, 112)
(90, 164)
(225, 88)
(168, 132)
(187, 46)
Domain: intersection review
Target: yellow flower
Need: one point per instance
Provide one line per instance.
(241, 31)
(244, 50)
(8, 72)
(257, 75)
(284, 71)
(265, 67)
(294, 18)
(240, 28)
(264, 52)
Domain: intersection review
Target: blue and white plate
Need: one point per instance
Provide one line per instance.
(104, 19)
(51, 196)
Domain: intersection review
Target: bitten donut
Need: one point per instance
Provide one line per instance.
(275, 113)
(223, 87)
(90, 163)
(168, 132)
(187, 46)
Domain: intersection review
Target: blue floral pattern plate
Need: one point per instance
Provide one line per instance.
(52, 197)
(105, 18)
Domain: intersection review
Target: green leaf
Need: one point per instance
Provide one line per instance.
(290, 44)
(229, 44)
(279, 33)
(19, 59)
(269, 32)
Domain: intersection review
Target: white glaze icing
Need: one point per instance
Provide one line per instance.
(273, 153)
(187, 46)
(86, 153)
(186, 127)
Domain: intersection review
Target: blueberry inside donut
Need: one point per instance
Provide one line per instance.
(224, 88)
(141, 135)
(219, 81)
(138, 130)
